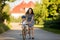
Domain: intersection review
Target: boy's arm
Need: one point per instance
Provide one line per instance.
(20, 23)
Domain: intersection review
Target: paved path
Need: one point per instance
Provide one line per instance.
(15, 34)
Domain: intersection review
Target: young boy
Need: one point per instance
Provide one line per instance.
(24, 28)
(24, 21)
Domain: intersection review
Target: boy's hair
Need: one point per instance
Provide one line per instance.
(23, 16)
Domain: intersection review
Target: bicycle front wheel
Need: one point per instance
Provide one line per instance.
(24, 34)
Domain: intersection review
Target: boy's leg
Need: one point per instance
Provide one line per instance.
(23, 31)
(23, 34)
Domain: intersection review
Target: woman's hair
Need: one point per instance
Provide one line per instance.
(28, 11)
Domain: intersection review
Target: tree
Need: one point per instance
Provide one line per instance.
(3, 11)
(53, 12)
(38, 10)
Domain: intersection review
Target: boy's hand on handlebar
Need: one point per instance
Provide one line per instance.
(29, 22)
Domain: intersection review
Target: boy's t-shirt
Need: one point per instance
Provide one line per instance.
(24, 22)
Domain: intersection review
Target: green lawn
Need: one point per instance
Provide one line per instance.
(39, 26)
(48, 29)
(52, 30)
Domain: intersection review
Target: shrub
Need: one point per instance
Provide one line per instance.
(3, 27)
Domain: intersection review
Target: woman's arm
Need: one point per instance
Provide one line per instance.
(32, 18)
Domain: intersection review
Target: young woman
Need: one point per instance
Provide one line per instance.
(30, 21)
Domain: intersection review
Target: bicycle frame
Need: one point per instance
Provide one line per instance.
(24, 32)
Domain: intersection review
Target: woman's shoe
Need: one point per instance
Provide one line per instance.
(32, 37)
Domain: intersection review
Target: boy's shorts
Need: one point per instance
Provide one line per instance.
(24, 26)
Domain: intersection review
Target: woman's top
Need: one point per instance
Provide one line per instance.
(29, 17)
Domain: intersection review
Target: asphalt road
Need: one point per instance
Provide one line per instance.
(39, 34)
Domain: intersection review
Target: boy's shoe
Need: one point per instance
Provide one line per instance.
(29, 37)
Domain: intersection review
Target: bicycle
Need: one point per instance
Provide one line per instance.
(24, 32)
(24, 25)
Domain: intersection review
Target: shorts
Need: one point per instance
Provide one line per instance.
(31, 24)
(24, 25)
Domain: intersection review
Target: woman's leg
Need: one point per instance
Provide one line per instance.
(32, 32)
(29, 32)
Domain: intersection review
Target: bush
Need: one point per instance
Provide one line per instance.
(12, 19)
(52, 24)
(3, 28)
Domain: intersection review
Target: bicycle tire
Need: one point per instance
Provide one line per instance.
(24, 34)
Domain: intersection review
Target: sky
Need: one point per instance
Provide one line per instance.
(13, 4)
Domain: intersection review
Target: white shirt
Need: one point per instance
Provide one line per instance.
(24, 22)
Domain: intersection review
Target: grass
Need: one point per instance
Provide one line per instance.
(39, 26)
(4, 28)
(48, 29)
(52, 30)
